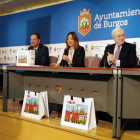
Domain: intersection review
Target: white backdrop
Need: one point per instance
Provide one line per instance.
(8, 55)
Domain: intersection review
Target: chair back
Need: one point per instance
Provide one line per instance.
(53, 59)
(92, 61)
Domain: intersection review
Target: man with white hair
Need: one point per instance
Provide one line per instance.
(121, 54)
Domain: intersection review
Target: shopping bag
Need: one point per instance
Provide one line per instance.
(78, 112)
(35, 104)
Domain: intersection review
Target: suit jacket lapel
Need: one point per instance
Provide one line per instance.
(75, 54)
(123, 49)
(111, 49)
(38, 52)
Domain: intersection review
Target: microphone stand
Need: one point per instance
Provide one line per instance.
(105, 61)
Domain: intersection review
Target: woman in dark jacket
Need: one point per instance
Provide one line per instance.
(74, 54)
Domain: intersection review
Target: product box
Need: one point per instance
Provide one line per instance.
(25, 58)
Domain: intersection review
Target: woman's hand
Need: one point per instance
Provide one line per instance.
(54, 65)
(65, 57)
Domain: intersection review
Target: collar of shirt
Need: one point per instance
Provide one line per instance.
(71, 56)
(36, 48)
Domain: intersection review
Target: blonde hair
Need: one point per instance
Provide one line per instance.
(75, 38)
(116, 30)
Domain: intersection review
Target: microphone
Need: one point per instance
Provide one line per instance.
(106, 59)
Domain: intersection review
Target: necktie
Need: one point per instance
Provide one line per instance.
(117, 53)
(35, 52)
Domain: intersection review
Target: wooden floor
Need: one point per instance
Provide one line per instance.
(13, 126)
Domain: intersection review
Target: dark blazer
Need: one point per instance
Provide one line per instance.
(127, 55)
(42, 55)
(78, 58)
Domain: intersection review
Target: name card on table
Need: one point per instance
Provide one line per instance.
(25, 58)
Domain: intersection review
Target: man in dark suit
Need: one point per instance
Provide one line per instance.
(41, 51)
(126, 52)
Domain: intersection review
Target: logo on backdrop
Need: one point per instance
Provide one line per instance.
(92, 47)
(4, 51)
(84, 22)
(14, 51)
(50, 49)
(4, 58)
(86, 47)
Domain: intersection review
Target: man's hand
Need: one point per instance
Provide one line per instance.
(111, 58)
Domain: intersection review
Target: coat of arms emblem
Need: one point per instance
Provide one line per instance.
(84, 22)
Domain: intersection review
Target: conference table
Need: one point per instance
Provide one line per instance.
(128, 96)
(115, 91)
(97, 83)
